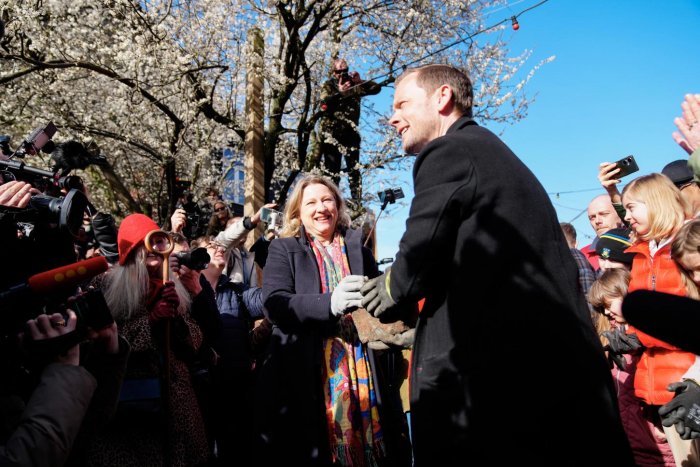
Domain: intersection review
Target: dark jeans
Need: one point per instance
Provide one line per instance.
(232, 396)
(332, 157)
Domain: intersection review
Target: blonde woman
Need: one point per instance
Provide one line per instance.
(318, 389)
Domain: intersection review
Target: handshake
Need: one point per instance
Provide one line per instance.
(355, 291)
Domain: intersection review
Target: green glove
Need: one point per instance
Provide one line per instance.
(376, 295)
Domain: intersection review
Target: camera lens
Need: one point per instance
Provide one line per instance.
(66, 211)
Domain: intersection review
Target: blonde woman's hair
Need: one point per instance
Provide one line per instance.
(687, 241)
(667, 210)
(125, 287)
(292, 209)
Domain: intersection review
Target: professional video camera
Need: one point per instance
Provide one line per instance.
(42, 235)
(51, 205)
(54, 291)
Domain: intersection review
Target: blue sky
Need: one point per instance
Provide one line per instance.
(621, 71)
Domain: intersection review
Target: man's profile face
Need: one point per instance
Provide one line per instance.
(416, 116)
(602, 215)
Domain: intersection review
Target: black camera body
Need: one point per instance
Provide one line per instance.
(90, 307)
(197, 259)
(50, 183)
(194, 227)
(390, 195)
(66, 212)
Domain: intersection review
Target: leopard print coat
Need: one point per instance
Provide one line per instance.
(173, 437)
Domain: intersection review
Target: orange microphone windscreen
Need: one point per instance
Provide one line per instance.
(68, 276)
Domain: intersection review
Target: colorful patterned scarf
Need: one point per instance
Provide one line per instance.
(351, 406)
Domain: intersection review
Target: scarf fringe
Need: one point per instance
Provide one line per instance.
(347, 456)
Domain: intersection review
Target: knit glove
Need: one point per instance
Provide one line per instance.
(164, 304)
(620, 343)
(376, 297)
(684, 409)
(346, 296)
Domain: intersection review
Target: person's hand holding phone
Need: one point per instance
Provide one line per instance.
(255, 219)
(608, 178)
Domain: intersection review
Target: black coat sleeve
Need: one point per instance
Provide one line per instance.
(444, 189)
(205, 312)
(287, 294)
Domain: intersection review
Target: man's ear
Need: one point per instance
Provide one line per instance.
(445, 99)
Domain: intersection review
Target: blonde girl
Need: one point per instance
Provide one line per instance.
(656, 212)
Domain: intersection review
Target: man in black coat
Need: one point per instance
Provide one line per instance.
(506, 365)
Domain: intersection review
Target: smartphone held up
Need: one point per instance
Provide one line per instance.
(272, 218)
(627, 166)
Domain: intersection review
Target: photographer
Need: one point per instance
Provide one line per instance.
(187, 218)
(70, 402)
(339, 132)
(46, 425)
(158, 421)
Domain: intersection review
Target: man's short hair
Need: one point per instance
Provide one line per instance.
(431, 77)
(569, 233)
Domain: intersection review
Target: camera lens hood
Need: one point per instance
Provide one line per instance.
(72, 210)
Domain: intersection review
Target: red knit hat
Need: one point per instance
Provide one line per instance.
(132, 232)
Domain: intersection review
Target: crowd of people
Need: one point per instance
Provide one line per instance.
(517, 346)
(646, 242)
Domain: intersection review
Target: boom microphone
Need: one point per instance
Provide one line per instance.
(59, 280)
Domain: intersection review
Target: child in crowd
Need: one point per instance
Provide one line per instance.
(685, 250)
(656, 211)
(648, 442)
(610, 249)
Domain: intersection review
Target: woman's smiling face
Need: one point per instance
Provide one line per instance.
(319, 211)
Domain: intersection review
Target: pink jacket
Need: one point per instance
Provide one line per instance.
(648, 443)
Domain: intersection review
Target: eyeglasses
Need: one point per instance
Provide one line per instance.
(340, 71)
(219, 209)
(215, 246)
